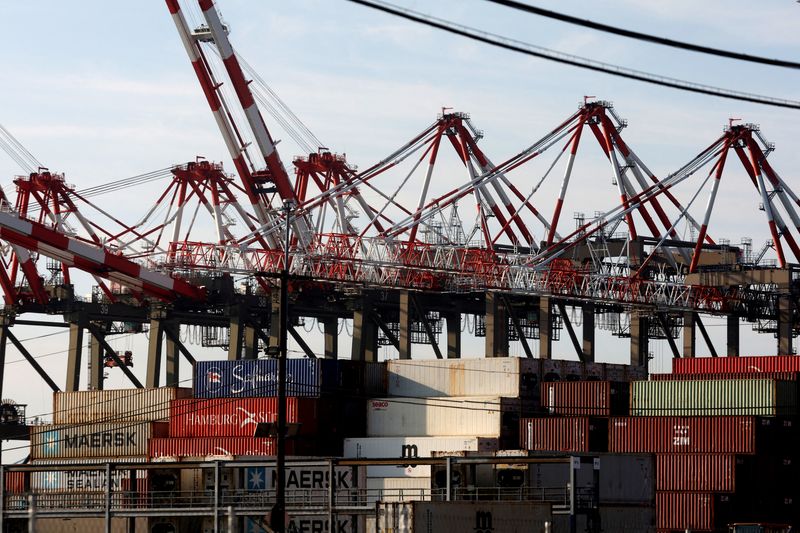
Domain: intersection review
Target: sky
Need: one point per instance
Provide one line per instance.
(104, 90)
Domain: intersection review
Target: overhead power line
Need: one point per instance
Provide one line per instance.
(577, 61)
(644, 36)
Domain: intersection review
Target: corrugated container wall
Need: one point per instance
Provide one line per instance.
(208, 446)
(585, 398)
(432, 417)
(694, 511)
(715, 365)
(783, 376)
(305, 377)
(696, 472)
(572, 434)
(94, 440)
(228, 417)
(722, 434)
(412, 447)
(110, 405)
(87, 480)
(763, 397)
(497, 376)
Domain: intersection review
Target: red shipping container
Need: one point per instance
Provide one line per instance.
(696, 472)
(585, 398)
(237, 417)
(578, 434)
(14, 482)
(695, 511)
(201, 447)
(781, 376)
(754, 364)
(670, 434)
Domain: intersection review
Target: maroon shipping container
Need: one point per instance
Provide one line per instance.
(578, 434)
(237, 417)
(14, 482)
(585, 398)
(696, 472)
(754, 364)
(201, 447)
(719, 434)
(695, 511)
(781, 376)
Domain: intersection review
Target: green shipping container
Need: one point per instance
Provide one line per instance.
(722, 397)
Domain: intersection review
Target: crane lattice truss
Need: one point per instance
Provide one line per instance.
(392, 224)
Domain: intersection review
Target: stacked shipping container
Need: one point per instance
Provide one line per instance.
(714, 468)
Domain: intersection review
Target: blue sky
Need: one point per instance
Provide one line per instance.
(103, 90)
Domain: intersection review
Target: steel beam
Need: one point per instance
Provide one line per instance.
(27, 355)
(689, 334)
(704, 333)
(302, 343)
(571, 331)
(104, 345)
(383, 326)
(96, 360)
(517, 327)
(785, 325)
(426, 325)
(662, 321)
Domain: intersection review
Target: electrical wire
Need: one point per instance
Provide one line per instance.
(569, 59)
(586, 23)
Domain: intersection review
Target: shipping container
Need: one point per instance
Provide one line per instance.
(433, 417)
(721, 434)
(613, 519)
(754, 364)
(305, 377)
(494, 376)
(412, 447)
(783, 376)
(122, 478)
(762, 397)
(696, 472)
(570, 434)
(619, 479)
(393, 489)
(126, 439)
(585, 398)
(112, 405)
(88, 525)
(303, 524)
(238, 417)
(201, 447)
(698, 511)
(478, 516)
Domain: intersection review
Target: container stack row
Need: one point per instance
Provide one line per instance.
(453, 407)
(723, 433)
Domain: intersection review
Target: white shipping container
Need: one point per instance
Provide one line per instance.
(412, 447)
(111, 405)
(497, 517)
(86, 480)
(494, 376)
(431, 417)
(394, 489)
(125, 439)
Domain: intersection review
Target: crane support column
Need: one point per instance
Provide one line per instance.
(331, 326)
(236, 335)
(405, 325)
(545, 328)
(733, 336)
(639, 340)
(154, 352)
(689, 334)
(365, 334)
(587, 312)
(172, 376)
(785, 312)
(74, 357)
(96, 353)
(453, 324)
(496, 326)
(250, 342)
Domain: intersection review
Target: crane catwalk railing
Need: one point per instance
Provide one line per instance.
(339, 258)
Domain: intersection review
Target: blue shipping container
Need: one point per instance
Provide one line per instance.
(304, 377)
